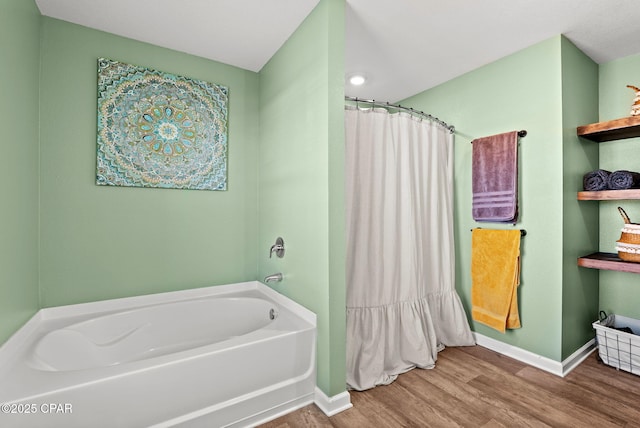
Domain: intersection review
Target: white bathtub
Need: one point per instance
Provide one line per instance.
(233, 355)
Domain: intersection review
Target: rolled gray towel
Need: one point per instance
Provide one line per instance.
(596, 180)
(620, 180)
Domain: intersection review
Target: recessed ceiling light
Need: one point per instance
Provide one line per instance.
(357, 79)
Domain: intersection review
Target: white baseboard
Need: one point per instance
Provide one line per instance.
(557, 368)
(332, 405)
(577, 357)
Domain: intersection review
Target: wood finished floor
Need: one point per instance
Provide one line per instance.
(476, 387)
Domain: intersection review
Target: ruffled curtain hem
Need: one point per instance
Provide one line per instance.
(385, 341)
(450, 319)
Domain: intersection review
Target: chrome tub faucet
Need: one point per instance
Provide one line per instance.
(277, 277)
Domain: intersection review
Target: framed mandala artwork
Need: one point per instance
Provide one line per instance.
(157, 129)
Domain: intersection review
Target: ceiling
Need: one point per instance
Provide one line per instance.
(402, 46)
(244, 33)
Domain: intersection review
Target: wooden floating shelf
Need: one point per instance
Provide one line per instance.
(627, 127)
(608, 261)
(609, 195)
(618, 129)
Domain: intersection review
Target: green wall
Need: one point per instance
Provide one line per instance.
(580, 219)
(19, 50)
(619, 291)
(548, 89)
(301, 178)
(337, 234)
(102, 242)
(521, 91)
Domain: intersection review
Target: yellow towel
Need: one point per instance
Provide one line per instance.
(495, 276)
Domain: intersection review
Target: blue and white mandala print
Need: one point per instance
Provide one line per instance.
(160, 130)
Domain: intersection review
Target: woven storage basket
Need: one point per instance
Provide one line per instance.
(628, 252)
(629, 243)
(618, 348)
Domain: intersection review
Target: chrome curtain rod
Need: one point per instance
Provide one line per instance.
(373, 103)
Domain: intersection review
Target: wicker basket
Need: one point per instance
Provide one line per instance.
(630, 231)
(629, 243)
(628, 252)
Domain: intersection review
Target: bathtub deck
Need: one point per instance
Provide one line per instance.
(474, 387)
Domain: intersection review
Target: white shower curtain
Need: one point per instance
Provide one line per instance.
(402, 307)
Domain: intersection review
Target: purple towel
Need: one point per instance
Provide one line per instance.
(494, 163)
